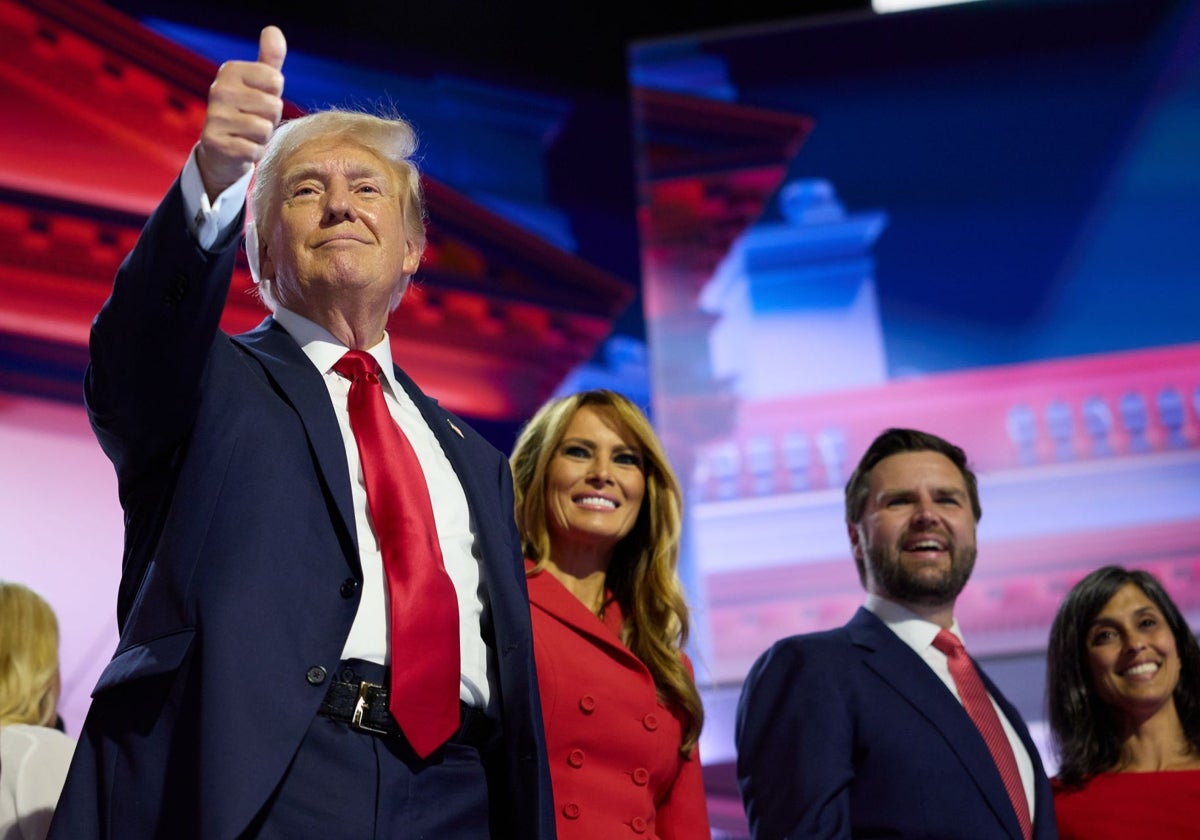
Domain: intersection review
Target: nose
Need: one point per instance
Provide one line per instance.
(1135, 643)
(925, 512)
(599, 472)
(338, 204)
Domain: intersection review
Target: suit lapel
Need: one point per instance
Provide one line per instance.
(549, 595)
(1043, 810)
(449, 437)
(301, 385)
(900, 667)
(454, 446)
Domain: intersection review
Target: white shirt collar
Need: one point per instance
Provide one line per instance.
(323, 350)
(915, 631)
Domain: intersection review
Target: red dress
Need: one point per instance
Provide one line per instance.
(613, 747)
(1163, 805)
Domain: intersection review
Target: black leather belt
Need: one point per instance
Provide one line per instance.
(364, 705)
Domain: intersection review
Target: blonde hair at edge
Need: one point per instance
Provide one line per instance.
(391, 138)
(642, 574)
(28, 657)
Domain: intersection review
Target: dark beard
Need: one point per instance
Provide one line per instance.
(901, 585)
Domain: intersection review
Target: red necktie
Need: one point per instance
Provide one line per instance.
(979, 706)
(423, 615)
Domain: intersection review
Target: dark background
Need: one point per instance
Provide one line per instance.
(564, 47)
(574, 51)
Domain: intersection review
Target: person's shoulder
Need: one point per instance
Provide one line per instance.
(814, 640)
(30, 738)
(803, 650)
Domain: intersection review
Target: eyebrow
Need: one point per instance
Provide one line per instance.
(895, 493)
(320, 171)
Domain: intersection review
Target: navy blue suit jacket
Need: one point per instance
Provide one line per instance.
(241, 574)
(848, 733)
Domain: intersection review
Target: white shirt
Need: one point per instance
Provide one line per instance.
(368, 635)
(33, 767)
(919, 634)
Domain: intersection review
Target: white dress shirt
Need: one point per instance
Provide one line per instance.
(211, 223)
(918, 634)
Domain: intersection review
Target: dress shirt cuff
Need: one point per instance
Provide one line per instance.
(211, 223)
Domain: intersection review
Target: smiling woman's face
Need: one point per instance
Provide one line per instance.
(1131, 654)
(594, 485)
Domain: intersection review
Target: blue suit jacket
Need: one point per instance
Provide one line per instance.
(848, 733)
(241, 574)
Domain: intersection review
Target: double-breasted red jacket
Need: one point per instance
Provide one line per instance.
(613, 746)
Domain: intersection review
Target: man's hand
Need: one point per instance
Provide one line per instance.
(245, 104)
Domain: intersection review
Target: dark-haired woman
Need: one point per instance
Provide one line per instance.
(1124, 696)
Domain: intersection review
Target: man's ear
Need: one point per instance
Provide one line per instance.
(855, 540)
(412, 258)
(266, 266)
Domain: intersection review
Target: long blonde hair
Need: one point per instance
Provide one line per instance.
(29, 682)
(642, 575)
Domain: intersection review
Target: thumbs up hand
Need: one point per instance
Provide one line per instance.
(245, 104)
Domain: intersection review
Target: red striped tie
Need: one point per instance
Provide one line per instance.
(979, 706)
(423, 611)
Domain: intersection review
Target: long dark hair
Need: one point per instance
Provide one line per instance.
(1088, 733)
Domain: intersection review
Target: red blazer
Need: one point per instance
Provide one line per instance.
(613, 747)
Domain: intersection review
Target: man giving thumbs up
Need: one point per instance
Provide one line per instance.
(323, 614)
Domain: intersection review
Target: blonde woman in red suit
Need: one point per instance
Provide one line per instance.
(598, 508)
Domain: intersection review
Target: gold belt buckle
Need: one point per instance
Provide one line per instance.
(360, 706)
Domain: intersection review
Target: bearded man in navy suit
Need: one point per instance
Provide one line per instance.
(248, 694)
(860, 731)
